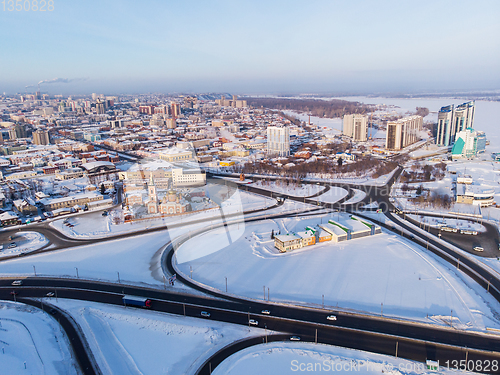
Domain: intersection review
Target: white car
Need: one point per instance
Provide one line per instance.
(17, 282)
(253, 322)
(294, 338)
(205, 314)
(478, 248)
(331, 317)
(50, 294)
(266, 312)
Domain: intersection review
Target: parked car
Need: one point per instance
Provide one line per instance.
(12, 245)
(17, 282)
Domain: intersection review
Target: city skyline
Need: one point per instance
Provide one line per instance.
(251, 47)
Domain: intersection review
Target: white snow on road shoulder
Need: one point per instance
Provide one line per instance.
(292, 358)
(303, 190)
(30, 337)
(331, 196)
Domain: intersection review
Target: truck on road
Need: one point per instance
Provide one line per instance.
(136, 301)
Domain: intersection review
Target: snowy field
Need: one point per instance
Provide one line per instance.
(370, 274)
(292, 358)
(131, 341)
(304, 190)
(33, 342)
(331, 196)
(25, 242)
(136, 259)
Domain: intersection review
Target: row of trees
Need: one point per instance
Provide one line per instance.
(423, 174)
(434, 200)
(320, 108)
(327, 167)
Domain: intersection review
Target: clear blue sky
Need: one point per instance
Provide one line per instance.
(252, 46)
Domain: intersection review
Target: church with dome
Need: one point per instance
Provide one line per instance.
(172, 202)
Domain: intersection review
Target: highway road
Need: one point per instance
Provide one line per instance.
(375, 334)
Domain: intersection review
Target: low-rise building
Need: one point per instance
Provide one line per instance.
(287, 242)
(81, 199)
(188, 177)
(20, 175)
(70, 173)
(308, 237)
(338, 234)
(474, 194)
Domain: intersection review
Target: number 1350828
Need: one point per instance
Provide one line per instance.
(27, 5)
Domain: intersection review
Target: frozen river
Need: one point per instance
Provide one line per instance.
(486, 117)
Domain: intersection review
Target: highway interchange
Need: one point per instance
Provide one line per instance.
(400, 338)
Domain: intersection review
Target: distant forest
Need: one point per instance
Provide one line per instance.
(316, 107)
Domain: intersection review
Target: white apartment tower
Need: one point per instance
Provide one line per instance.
(356, 127)
(403, 132)
(278, 140)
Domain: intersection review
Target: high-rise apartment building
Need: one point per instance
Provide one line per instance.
(453, 120)
(41, 137)
(278, 140)
(234, 102)
(403, 132)
(171, 123)
(356, 127)
(17, 131)
(176, 109)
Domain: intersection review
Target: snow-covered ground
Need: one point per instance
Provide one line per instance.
(331, 196)
(364, 180)
(436, 222)
(25, 242)
(304, 190)
(32, 342)
(135, 341)
(358, 196)
(382, 272)
(136, 259)
(291, 358)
